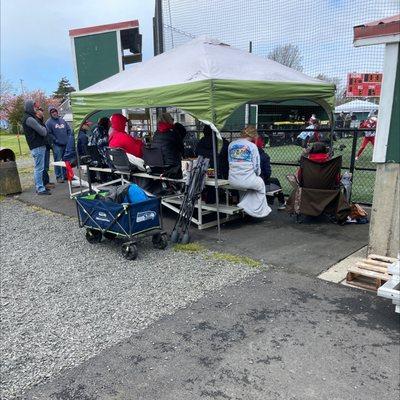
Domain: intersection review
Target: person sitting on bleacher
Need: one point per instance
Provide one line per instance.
(271, 184)
(120, 139)
(205, 148)
(244, 174)
(99, 137)
(170, 141)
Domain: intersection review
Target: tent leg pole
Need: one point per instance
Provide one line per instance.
(332, 132)
(216, 184)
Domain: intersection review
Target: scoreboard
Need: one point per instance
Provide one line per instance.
(364, 85)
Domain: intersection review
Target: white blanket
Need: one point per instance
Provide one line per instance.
(252, 197)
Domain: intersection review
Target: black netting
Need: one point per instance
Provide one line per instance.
(322, 34)
(322, 31)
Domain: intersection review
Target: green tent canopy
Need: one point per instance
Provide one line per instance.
(204, 77)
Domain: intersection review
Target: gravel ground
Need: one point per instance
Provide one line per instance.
(65, 300)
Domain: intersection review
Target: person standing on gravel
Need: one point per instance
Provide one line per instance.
(60, 131)
(35, 134)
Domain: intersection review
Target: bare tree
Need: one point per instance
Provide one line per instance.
(6, 91)
(340, 96)
(288, 55)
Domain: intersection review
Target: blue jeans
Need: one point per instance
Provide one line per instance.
(46, 178)
(58, 156)
(38, 155)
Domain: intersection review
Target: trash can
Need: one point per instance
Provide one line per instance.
(9, 178)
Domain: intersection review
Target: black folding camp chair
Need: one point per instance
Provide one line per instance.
(119, 160)
(152, 156)
(318, 191)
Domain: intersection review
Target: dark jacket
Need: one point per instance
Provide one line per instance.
(82, 143)
(70, 153)
(205, 148)
(99, 138)
(265, 165)
(58, 129)
(34, 129)
(171, 144)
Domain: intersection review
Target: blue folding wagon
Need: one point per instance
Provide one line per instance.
(107, 219)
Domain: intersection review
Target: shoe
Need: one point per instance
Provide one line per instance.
(282, 207)
(356, 158)
(60, 180)
(45, 192)
(50, 185)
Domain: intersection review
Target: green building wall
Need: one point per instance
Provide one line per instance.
(96, 58)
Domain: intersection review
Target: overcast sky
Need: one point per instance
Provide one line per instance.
(35, 45)
(322, 29)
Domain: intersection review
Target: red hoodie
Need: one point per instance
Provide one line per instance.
(319, 157)
(119, 138)
(164, 127)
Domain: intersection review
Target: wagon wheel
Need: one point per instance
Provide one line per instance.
(109, 235)
(93, 235)
(129, 251)
(160, 241)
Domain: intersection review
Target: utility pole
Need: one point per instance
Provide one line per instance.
(22, 86)
(247, 106)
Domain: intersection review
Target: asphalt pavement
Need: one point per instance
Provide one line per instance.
(275, 336)
(280, 334)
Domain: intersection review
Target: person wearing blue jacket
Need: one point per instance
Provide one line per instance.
(270, 182)
(60, 131)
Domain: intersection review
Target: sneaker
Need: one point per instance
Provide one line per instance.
(356, 158)
(50, 185)
(45, 192)
(282, 207)
(60, 180)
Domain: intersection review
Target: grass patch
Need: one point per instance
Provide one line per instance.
(2, 197)
(233, 258)
(363, 181)
(25, 170)
(190, 247)
(10, 141)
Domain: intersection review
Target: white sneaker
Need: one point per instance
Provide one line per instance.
(356, 158)
(282, 207)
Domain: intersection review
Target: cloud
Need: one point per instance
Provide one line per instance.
(35, 43)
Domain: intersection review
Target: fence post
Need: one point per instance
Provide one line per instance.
(353, 153)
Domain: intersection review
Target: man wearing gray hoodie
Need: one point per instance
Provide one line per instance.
(59, 130)
(35, 134)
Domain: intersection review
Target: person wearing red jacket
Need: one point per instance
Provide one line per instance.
(120, 139)
(369, 136)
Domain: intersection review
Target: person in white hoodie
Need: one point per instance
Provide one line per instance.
(244, 174)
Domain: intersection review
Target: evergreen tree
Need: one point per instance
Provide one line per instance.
(64, 88)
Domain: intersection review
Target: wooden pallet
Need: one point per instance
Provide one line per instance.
(370, 273)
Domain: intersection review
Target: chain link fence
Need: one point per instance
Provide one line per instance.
(285, 153)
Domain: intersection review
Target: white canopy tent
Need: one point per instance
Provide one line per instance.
(357, 106)
(204, 77)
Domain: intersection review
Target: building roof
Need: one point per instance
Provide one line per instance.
(104, 28)
(386, 30)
